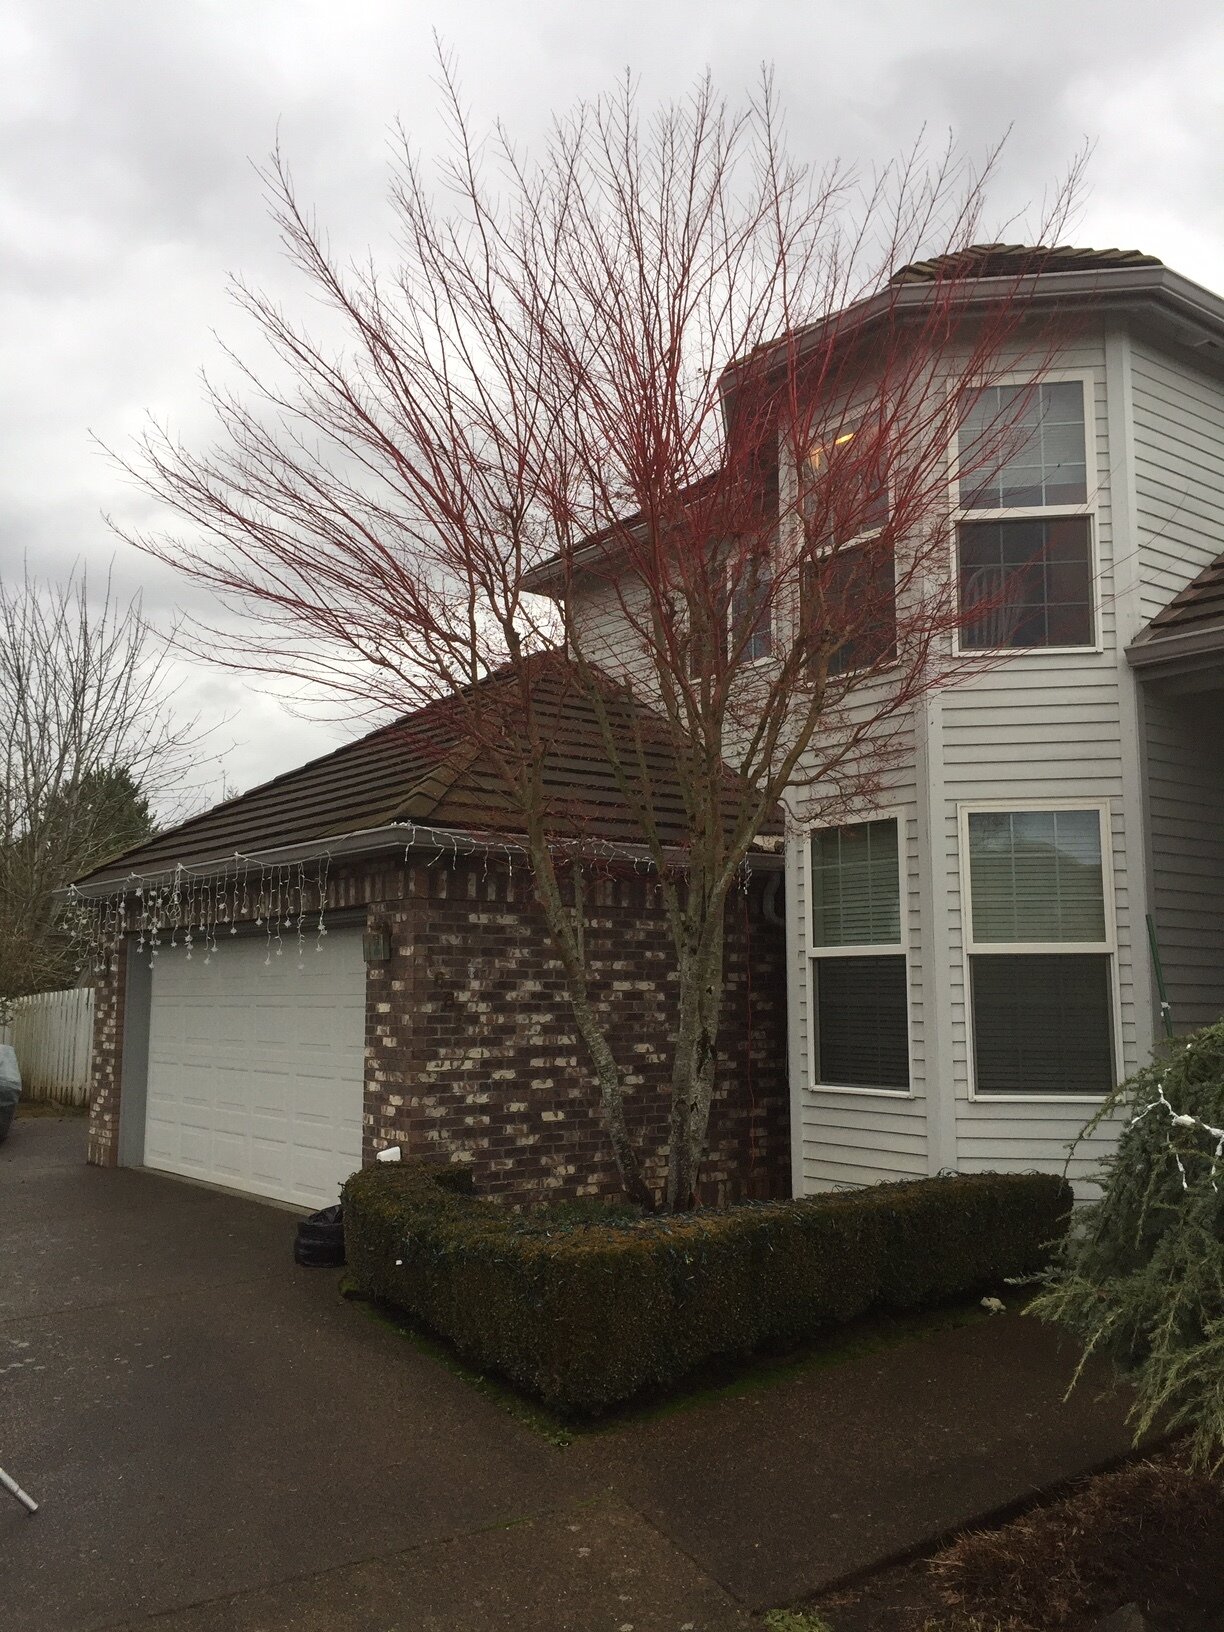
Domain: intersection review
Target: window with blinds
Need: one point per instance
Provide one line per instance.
(860, 985)
(1040, 952)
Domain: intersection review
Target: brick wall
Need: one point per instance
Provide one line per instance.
(106, 1063)
(473, 1057)
(471, 1053)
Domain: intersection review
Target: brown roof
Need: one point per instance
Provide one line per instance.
(424, 771)
(1019, 260)
(1195, 616)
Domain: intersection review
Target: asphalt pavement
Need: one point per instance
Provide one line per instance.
(222, 1443)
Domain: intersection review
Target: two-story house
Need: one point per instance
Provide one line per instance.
(972, 964)
(968, 965)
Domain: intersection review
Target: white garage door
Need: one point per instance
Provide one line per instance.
(256, 1066)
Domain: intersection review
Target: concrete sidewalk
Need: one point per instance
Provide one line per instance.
(219, 1441)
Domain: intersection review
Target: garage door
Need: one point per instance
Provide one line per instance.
(256, 1066)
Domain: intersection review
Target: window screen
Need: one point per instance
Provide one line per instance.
(751, 612)
(1022, 447)
(850, 596)
(1026, 583)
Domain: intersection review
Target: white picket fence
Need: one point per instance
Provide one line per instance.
(52, 1033)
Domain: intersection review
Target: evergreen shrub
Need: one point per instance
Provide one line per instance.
(587, 1315)
(1141, 1280)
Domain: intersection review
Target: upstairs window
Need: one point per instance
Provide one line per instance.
(1025, 574)
(853, 595)
(844, 491)
(751, 611)
(848, 589)
(1022, 447)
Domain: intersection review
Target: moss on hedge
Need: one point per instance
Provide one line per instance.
(587, 1315)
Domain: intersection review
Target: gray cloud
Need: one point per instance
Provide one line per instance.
(127, 194)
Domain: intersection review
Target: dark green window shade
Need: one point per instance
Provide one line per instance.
(861, 1016)
(1042, 1023)
(1036, 875)
(856, 890)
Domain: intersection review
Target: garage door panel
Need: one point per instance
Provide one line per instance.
(256, 1067)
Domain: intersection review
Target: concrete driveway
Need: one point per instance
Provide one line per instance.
(222, 1444)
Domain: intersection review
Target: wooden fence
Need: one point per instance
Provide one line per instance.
(52, 1034)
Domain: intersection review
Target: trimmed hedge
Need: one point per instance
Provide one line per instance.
(585, 1316)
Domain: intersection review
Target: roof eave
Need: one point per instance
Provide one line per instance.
(397, 837)
(1127, 286)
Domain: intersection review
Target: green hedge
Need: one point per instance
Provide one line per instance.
(585, 1316)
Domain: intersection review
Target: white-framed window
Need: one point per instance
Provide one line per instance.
(848, 585)
(859, 971)
(1025, 527)
(1040, 949)
(750, 611)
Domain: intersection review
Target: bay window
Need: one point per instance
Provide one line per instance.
(1039, 944)
(859, 981)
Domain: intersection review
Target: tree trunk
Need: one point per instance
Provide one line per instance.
(695, 1057)
(566, 928)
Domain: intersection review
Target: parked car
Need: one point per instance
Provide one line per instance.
(10, 1087)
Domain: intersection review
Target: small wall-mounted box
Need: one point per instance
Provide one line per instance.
(376, 945)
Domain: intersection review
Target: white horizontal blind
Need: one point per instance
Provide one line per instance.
(1036, 875)
(856, 886)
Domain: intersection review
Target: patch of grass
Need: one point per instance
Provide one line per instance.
(795, 1620)
(47, 1107)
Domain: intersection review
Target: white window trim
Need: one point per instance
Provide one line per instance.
(1085, 379)
(894, 813)
(1107, 947)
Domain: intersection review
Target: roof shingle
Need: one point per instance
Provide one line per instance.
(424, 770)
(1019, 260)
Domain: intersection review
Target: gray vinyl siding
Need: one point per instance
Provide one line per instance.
(1185, 785)
(1178, 471)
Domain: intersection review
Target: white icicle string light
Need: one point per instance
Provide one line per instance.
(188, 909)
(183, 907)
(1182, 1119)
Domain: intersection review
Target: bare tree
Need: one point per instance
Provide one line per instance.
(660, 374)
(88, 742)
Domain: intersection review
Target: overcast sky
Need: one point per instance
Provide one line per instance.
(127, 196)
